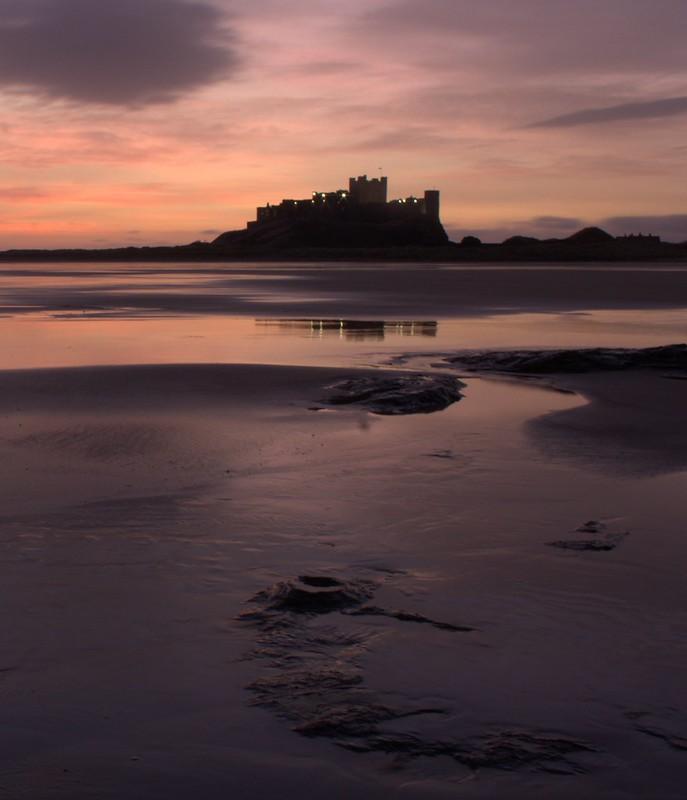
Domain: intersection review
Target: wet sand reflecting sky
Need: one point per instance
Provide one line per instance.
(147, 504)
(69, 315)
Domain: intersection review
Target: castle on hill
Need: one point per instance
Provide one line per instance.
(358, 217)
(366, 198)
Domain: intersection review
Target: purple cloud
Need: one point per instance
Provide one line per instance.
(127, 53)
(652, 109)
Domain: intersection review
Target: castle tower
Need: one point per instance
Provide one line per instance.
(432, 203)
(366, 191)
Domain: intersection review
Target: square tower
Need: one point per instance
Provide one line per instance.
(432, 203)
(365, 191)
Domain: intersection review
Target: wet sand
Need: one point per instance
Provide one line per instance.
(633, 420)
(212, 589)
(633, 424)
(340, 290)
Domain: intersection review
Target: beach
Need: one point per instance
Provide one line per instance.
(218, 581)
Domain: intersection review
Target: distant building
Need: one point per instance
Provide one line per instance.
(366, 198)
(640, 238)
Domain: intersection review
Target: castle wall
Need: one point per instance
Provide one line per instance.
(365, 199)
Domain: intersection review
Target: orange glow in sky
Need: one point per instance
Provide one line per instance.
(167, 121)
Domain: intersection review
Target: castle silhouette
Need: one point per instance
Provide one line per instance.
(358, 217)
(365, 198)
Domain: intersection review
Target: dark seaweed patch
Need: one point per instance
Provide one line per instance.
(314, 679)
(603, 543)
(598, 359)
(503, 750)
(312, 595)
(409, 393)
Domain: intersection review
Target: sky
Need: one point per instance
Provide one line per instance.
(169, 121)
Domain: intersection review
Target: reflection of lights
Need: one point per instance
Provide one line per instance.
(317, 328)
(356, 330)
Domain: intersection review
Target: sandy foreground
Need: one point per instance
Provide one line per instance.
(217, 585)
(161, 525)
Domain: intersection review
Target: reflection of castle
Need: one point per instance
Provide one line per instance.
(354, 329)
(365, 199)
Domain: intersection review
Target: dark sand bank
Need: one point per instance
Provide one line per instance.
(153, 416)
(160, 387)
(345, 290)
(169, 386)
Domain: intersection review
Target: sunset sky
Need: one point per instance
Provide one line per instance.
(166, 121)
